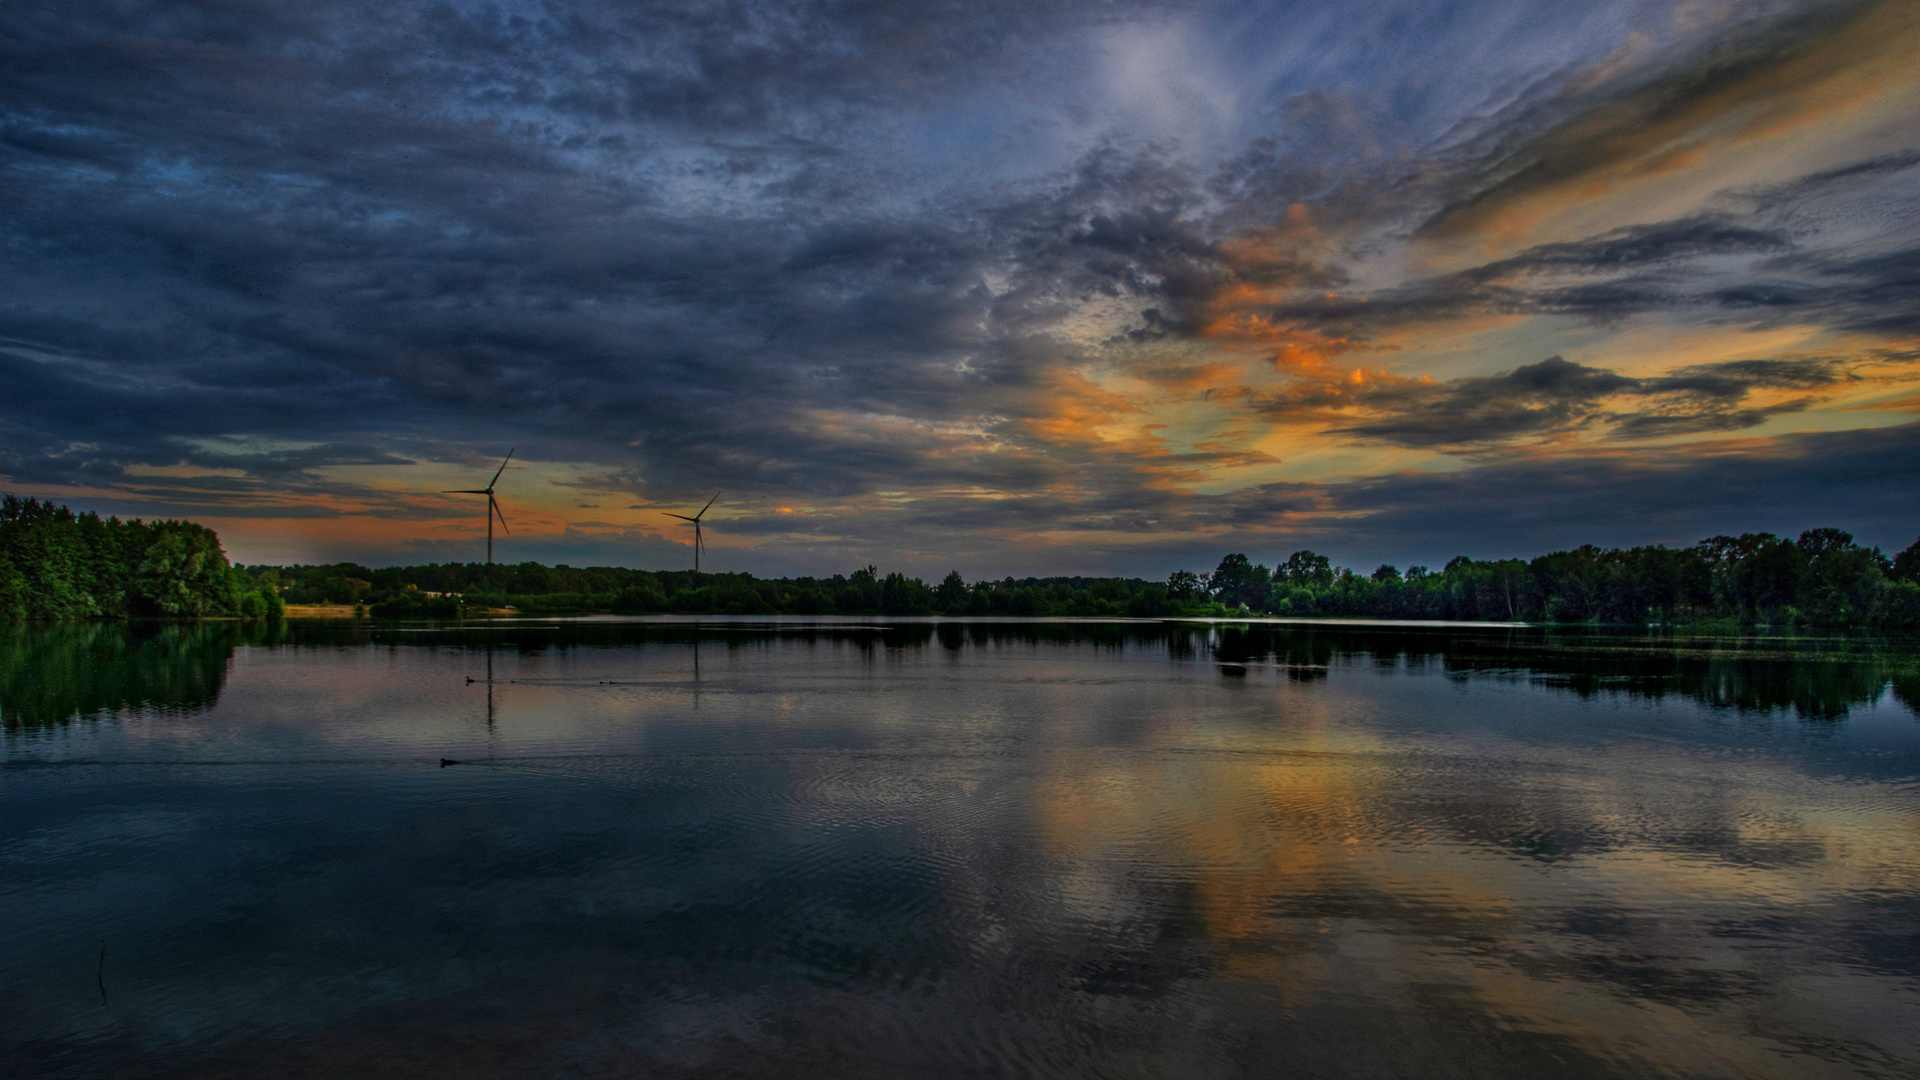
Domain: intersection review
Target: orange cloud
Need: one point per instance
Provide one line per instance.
(1078, 411)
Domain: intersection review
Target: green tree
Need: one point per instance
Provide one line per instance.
(1305, 569)
(952, 593)
(642, 596)
(1237, 582)
(1906, 565)
(183, 573)
(902, 595)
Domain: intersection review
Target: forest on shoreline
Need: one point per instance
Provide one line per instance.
(58, 565)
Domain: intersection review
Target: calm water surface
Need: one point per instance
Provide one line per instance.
(955, 850)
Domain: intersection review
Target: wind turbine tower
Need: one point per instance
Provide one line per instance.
(699, 542)
(493, 508)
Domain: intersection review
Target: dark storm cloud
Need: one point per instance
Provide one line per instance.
(689, 245)
(1638, 269)
(362, 217)
(64, 414)
(1815, 188)
(1521, 506)
(1872, 293)
(1494, 507)
(1642, 123)
(757, 68)
(1714, 397)
(1834, 247)
(1556, 396)
(1552, 395)
(1635, 247)
(1524, 506)
(284, 222)
(1714, 266)
(700, 342)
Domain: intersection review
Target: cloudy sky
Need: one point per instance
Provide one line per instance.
(1010, 286)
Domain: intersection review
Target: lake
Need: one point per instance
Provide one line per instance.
(859, 848)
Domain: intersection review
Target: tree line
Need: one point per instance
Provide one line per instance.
(445, 589)
(56, 564)
(1820, 580)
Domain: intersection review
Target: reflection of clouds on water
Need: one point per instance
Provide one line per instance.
(1605, 892)
(976, 850)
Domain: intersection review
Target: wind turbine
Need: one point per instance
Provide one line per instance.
(493, 508)
(699, 542)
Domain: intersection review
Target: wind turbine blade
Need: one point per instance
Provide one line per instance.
(682, 517)
(703, 510)
(466, 491)
(501, 469)
(497, 513)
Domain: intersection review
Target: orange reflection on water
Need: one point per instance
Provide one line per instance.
(1605, 895)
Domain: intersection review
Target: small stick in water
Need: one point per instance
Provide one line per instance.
(100, 972)
(446, 761)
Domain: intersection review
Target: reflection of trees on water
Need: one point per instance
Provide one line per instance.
(51, 674)
(1817, 678)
